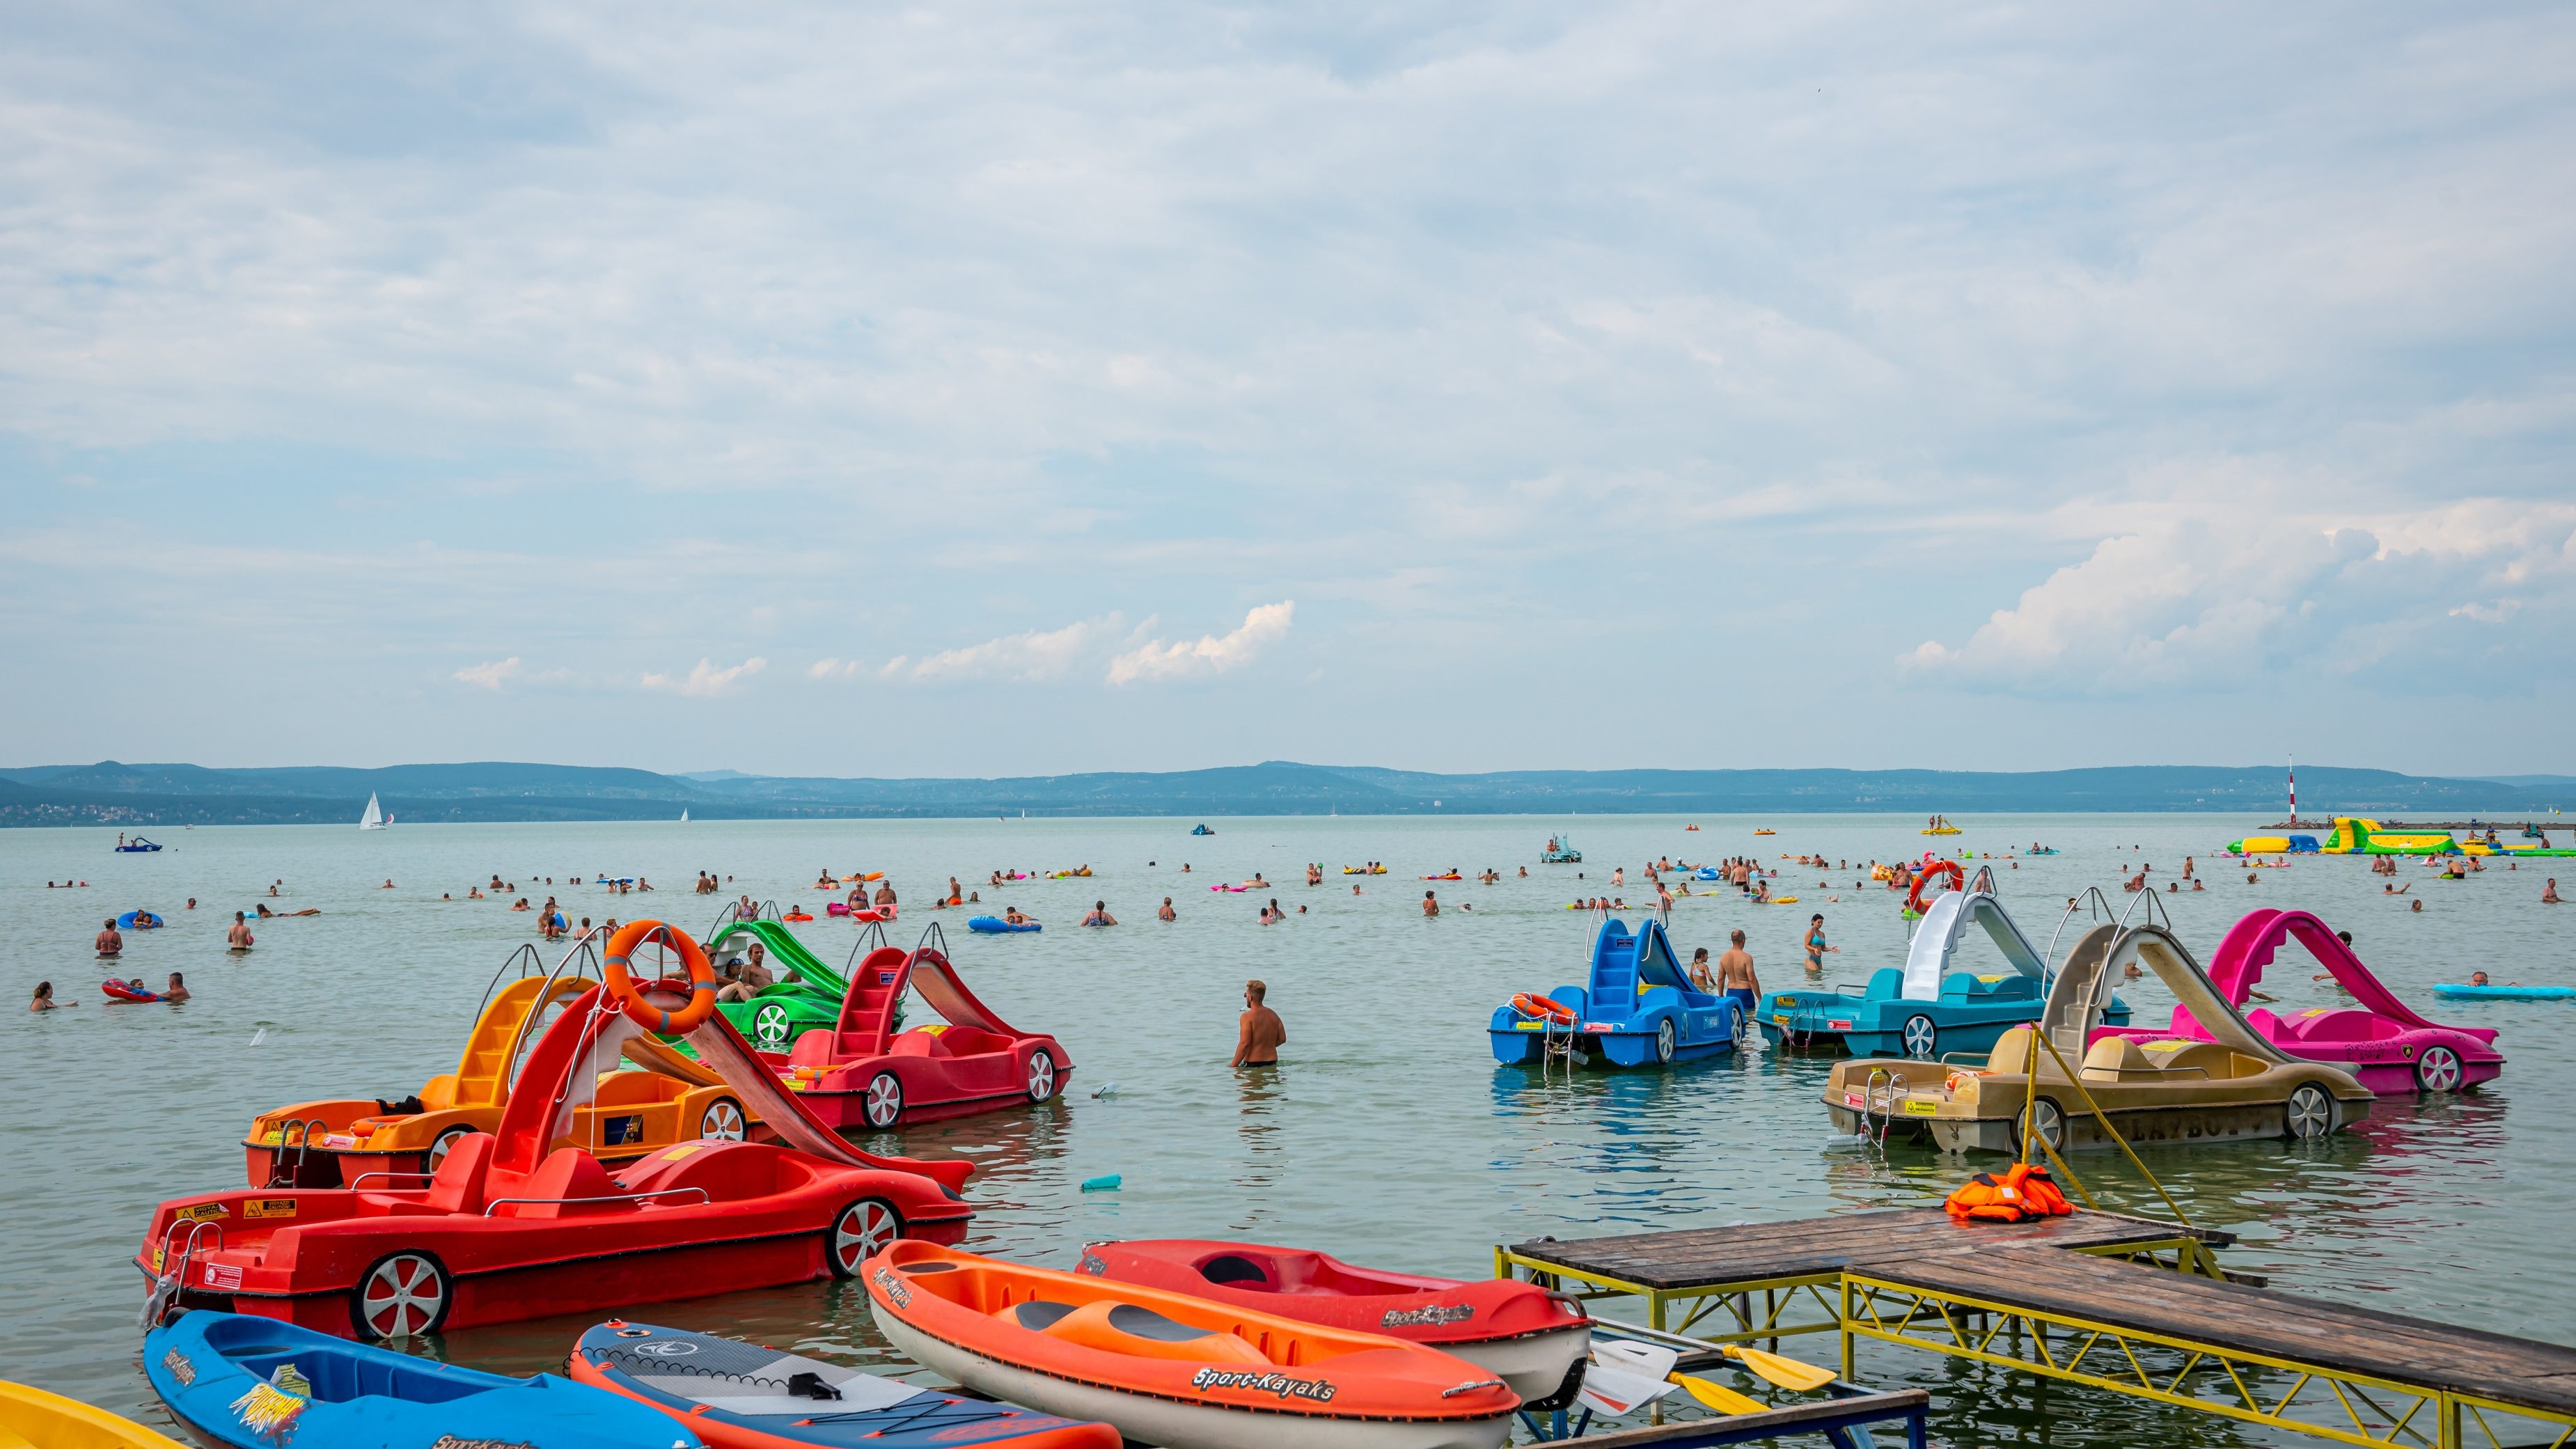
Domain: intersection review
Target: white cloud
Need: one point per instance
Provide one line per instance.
(488, 676)
(1209, 654)
(706, 679)
(1028, 655)
(2194, 604)
(833, 669)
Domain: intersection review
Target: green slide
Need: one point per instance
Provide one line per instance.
(772, 1020)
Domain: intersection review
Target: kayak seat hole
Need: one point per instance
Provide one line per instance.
(1036, 1315)
(1146, 1323)
(1234, 1268)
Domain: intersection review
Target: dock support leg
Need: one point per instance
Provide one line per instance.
(1915, 1435)
(2448, 1424)
(1847, 1329)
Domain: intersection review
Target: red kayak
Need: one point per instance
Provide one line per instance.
(1533, 1339)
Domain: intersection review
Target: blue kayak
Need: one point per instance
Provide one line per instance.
(995, 925)
(2508, 993)
(233, 1379)
(744, 1392)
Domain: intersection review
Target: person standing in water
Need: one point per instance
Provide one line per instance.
(238, 938)
(109, 943)
(1259, 1032)
(1736, 977)
(177, 990)
(1816, 947)
(1430, 904)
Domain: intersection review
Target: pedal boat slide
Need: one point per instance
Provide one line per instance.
(1174, 1369)
(2234, 1086)
(1530, 1337)
(2382, 1042)
(358, 1142)
(511, 1227)
(1637, 1008)
(864, 1076)
(1927, 1008)
(778, 1014)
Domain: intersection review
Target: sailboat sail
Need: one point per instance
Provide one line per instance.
(374, 819)
(684, 815)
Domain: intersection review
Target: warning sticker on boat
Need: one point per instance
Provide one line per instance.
(1914, 1108)
(1854, 1099)
(204, 1212)
(269, 1207)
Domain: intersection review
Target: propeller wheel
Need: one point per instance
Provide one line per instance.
(1664, 1042)
(723, 1121)
(2438, 1070)
(1041, 1076)
(769, 1026)
(1922, 1039)
(2310, 1115)
(445, 1144)
(884, 1104)
(403, 1295)
(864, 1229)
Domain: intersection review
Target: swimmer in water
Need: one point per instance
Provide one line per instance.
(109, 943)
(266, 914)
(1167, 913)
(238, 938)
(1816, 947)
(1735, 974)
(2549, 892)
(177, 989)
(44, 999)
(1430, 904)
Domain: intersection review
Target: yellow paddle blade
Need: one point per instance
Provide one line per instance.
(1788, 1373)
(1718, 1396)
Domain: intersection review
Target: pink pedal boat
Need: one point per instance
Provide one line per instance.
(2382, 1041)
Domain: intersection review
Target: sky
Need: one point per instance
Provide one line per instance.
(1001, 390)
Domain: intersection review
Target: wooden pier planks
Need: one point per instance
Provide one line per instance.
(1813, 1247)
(2237, 1318)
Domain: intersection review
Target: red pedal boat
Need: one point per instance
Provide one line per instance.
(507, 1230)
(865, 1076)
(1533, 1339)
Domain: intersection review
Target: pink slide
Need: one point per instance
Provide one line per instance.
(2382, 1042)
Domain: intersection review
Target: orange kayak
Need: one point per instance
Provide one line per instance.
(1172, 1369)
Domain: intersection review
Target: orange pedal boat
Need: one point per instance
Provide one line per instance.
(1172, 1369)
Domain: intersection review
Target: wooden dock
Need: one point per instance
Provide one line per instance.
(2125, 1304)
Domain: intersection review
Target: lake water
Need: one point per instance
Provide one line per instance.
(1389, 1137)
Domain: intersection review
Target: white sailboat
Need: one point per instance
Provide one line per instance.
(684, 815)
(374, 819)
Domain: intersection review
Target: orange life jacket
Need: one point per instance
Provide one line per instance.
(2022, 1194)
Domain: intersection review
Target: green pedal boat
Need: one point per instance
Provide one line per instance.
(773, 1019)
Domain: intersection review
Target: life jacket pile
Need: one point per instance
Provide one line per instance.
(2023, 1193)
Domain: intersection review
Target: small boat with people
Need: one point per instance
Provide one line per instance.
(1635, 1008)
(1533, 1338)
(1176, 1369)
(1933, 1004)
(1560, 851)
(136, 845)
(1201, 829)
(738, 1395)
(236, 1381)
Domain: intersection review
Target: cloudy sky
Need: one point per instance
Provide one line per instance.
(996, 390)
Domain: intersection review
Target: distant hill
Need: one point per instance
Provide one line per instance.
(112, 793)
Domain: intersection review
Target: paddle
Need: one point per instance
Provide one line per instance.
(1654, 1363)
(1788, 1373)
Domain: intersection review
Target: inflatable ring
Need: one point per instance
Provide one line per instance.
(1543, 1007)
(618, 984)
(1958, 881)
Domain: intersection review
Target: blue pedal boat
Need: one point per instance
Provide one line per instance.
(235, 1381)
(1637, 1009)
(1928, 1007)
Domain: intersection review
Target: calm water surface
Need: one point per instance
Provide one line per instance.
(1389, 1137)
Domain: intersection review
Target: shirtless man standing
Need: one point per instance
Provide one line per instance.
(1261, 1032)
(238, 938)
(1735, 975)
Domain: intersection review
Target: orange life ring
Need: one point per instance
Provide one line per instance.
(1544, 1007)
(701, 982)
(1958, 881)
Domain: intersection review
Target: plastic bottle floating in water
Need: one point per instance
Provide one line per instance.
(1106, 1182)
